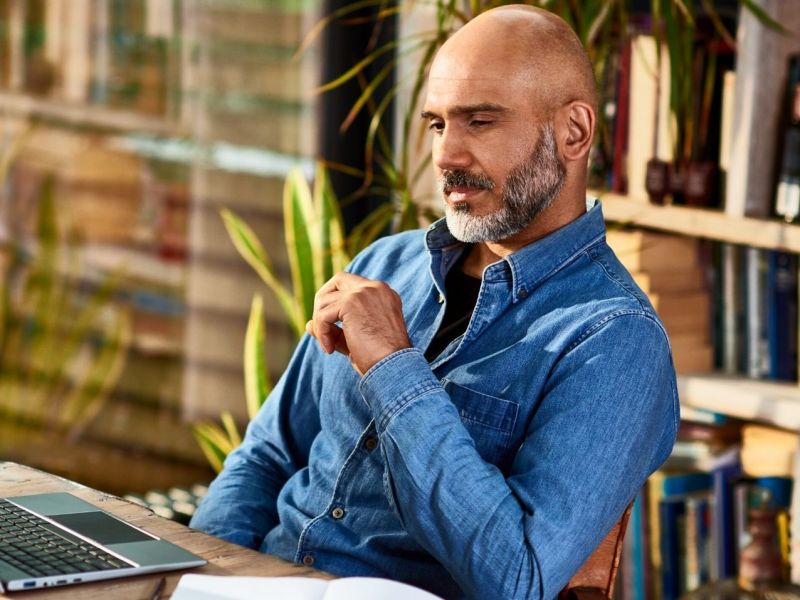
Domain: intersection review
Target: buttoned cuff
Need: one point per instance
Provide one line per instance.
(394, 382)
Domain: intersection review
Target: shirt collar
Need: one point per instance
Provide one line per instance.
(530, 266)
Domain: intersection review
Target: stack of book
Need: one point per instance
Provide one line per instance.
(690, 521)
(668, 269)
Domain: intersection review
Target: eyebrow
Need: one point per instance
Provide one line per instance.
(468, 109)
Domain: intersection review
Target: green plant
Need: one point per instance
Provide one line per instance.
(317, 249)
(61, 349)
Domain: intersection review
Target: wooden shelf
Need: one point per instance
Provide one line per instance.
(699, 222)
(749, 399)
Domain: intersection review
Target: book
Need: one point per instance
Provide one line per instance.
(761, 56)
(214, 587)
(727, 470)
(645, 251)
(782, 321)
(671, 514)
(767, 451)
(756, 345)
(732, 308)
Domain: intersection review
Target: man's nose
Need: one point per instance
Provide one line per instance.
(450, 152)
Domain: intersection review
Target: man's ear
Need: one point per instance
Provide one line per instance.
(577, 123)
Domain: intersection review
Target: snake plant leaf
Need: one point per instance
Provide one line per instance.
(333, 256)
(229, 425)
(299, 223)
(214, 442)
(248, 246)
(257, 383)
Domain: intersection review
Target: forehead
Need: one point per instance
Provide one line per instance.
(479, 78)
(446, 94)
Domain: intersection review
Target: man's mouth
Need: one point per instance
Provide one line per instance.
(462, 193)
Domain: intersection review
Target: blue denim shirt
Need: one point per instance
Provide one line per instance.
(493, 471)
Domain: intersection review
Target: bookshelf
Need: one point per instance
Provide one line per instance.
(703, 223)
(774, 403)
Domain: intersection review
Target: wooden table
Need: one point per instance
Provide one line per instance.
(223, 558)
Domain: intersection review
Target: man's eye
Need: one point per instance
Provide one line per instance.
(479, 123)
(436, 126)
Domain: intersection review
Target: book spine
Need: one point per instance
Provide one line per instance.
(724, 534)
(755, 290)
(782, 322)
(670, 512)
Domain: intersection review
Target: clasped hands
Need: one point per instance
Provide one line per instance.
(371, 316)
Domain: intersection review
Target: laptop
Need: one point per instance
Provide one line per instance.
(50, 540)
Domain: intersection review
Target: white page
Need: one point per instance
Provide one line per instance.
(371, 588)
(213, 587)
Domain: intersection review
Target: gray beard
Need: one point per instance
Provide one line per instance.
(528, 190)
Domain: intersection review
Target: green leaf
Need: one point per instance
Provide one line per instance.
(257, 384)
(317, 29)
(334, 256)
(230, 429)
(358, 67)
(764, 17)
(298, 219)
(248, 246)
(214, 443)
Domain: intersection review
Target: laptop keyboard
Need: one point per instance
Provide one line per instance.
(39, 548)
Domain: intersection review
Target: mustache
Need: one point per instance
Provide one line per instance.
(461, 178)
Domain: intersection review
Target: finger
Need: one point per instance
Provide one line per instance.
(325, 328)
(341, 343)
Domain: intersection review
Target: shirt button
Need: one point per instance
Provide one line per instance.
(523, 293)
(308, 560)
(440, 299)
(371, 443)
(337, 513)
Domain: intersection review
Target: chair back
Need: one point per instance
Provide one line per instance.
(595, 579)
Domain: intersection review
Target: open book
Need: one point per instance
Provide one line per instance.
(213, 587)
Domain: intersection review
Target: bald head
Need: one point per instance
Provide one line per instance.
(530, 47)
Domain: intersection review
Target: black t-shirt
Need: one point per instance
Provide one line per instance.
(462, 294)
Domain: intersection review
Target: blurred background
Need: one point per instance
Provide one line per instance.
(124, 126)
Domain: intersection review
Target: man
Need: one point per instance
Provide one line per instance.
(476, 404)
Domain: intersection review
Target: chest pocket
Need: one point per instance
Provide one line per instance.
(489, 420)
